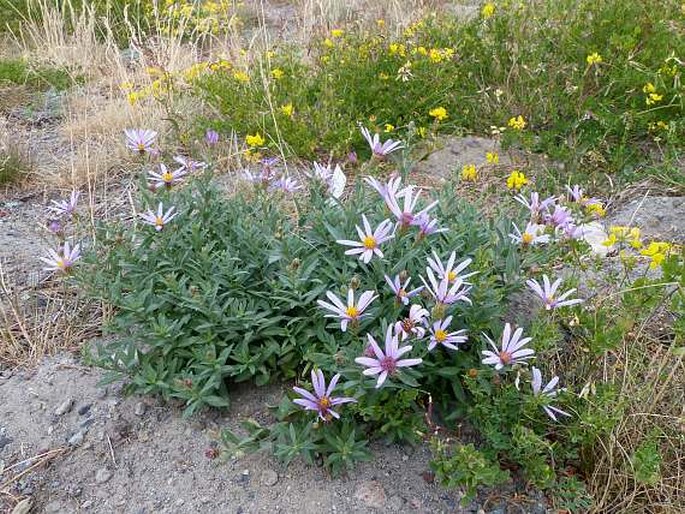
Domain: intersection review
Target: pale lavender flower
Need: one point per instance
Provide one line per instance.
(547, 292)
(405, 215)
(449, 270)
(322, 173)
(389, 189)
(440, 335)
(62, 261)
(286, 184)
(322, 400)
(189, 164)
(445, 293)
(211, 137)
(532, 235)
(165, 178)
(428, 226)
(160, 218)
(577, 195)
(400, 290)
(140, 140)
(369, 240)
(352, 157)
(512, 351)
(262, 178)
(65, 207)
(535, 205)
(549, 392)
(560, 218)
(55, 226)
(386, 363)
(380, 150)
(350, 313)
(334, 179)
(412, 325)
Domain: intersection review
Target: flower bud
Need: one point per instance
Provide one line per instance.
(355, 282)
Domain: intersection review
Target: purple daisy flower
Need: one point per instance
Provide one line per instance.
(560, 218)
(400, 290)
(140, 140)
(534, 205)
(188, 164)
(547, 292)
(405, 215)
(286, 184)
(322, 400)
(548, 392)
(65, 207)
(350, 313)
(211, 137)
(512, 351)
(387, 362)
(165, 178)
(160, 218)
(62, 261)
(449, 270)
(428, 226)
(442, 292)
(441, 335)
(412, 325)
(369, 240)
(380, 150)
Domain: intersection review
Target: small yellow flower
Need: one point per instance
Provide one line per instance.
(593, 58)
(277, 73)
(492, 157)
(327, 42)
(380, 23)
(439, 113)
(488, 10)
(132, 97)
(516, 180)
(596, 209)
(435, 55)
(649, 88)
(241, 76)
(422, 132)
(254, 141)
(389, 128)
(653, 98)
(397, 49)
(126, 86)
(517, 122)
(337, 32)
(469, 173)
(383, 76)
(287, 109)
(657, 252)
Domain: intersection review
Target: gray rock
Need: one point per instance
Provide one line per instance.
(103, 475)
(269, 477)
(371, 494)
(23, 507)
(77, 438)
(64, 407)
(140, 409)
(658, 217)
(4, 441)
(101, 393)
(84, 409)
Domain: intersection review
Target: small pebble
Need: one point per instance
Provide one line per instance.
(140, 409)
(269, 477)
(84, 409)
(64, 407)
(76, 439)
(103, 475)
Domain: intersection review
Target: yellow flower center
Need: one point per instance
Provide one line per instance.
(60, 263)
(527, 238)
(440, 335)
(369, 242)
(167, 177)
(352, 311)
(451, 276)
(325, 402)
(505, 357)
(159, 222)
(141, 147)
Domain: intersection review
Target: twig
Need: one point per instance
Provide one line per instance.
(111, 451)
(44, 458)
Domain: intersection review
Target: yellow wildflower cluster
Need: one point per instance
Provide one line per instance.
(656, 126)
(438, 55)
(469, 173)
(255, 140)
(516, 180)
(412, 29)
(652, 96)
(657, 251)
(596, 209)
(287, 110)
(241, 76)
(337, 32)
(517, 122)
(593, 58)
(488, 10)
(623, 235)
(388, 127)
(492, 157)
(439, 113)
(198, 17)
(277, 74)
